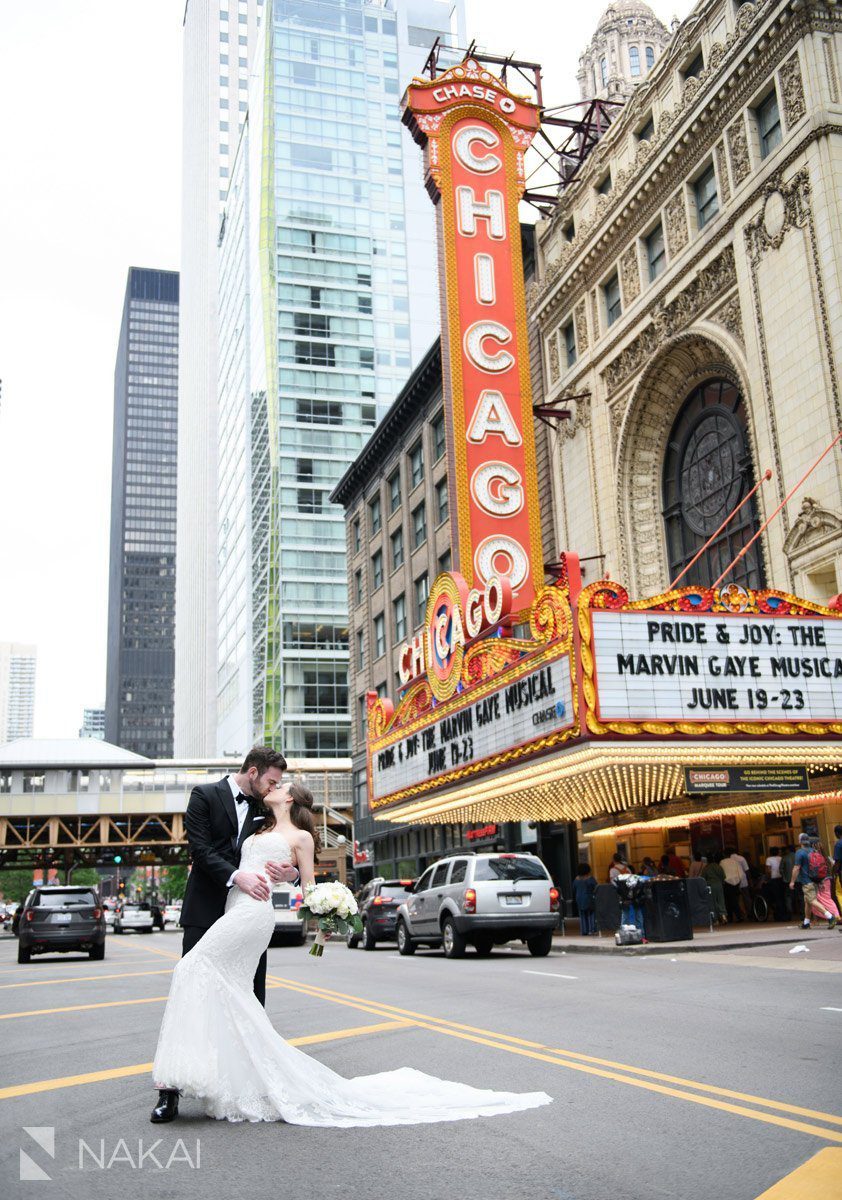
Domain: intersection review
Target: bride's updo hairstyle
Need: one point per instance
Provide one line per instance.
(300, 813)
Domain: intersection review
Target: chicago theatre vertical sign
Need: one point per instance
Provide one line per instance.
(475, 134)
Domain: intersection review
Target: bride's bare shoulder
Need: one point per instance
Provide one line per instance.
(304, 839)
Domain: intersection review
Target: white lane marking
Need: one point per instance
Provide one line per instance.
(551, 974)
(828, 1008)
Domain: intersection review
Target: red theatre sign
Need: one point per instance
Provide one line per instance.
(476, 133)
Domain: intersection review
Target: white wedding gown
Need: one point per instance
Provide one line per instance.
(218, 1045)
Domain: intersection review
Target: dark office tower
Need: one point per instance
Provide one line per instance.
(141, 586)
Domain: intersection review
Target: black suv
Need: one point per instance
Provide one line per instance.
(61, 918)
(379, 902)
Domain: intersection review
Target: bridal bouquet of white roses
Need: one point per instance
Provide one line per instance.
(333, 907)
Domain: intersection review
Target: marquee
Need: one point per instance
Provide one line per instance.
(522, 701)
(710, 669)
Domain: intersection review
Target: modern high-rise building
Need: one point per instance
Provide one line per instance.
(93, 723)
(218, 38)
(318, 330)
(141, 584)
(17, 690)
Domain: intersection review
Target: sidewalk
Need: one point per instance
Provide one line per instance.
(728, 937)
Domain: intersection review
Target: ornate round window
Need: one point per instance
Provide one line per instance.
(707, 472)
(710, 471)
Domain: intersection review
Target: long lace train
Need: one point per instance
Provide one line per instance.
(218, 1045)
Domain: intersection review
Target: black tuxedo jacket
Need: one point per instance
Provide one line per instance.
(211, 824)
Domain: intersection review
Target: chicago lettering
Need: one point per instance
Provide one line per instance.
(496, 485)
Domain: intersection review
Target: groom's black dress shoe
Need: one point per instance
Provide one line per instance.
(166, 1109)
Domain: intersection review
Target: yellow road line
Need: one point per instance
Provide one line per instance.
(707, 1087)
(82, 978)
(68, 1008)
(819, 1176)
(44, 1012)
(149, 950)
(71, 965)
(65, 1081)
(558, 1057)
(314, 1038)
(536, 1050)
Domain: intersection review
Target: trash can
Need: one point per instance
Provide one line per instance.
(666, 911)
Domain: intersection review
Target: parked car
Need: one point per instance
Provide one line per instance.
(484, 899)
(379, 902)
(134, 916)
(172, 914)
(109, 912)
(61, 918)
(287, 899)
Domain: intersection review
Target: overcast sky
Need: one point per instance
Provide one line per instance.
(91, 150)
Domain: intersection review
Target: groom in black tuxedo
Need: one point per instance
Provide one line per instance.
(219, 818)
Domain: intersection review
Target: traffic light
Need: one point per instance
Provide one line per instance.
(118, 858)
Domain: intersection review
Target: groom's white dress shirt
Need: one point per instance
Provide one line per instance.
(242, 812)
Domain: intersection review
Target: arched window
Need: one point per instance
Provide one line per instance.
(603, 69)
(707, 472)
(634, 60)
(650, 57)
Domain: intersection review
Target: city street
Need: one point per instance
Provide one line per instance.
(690, 1075)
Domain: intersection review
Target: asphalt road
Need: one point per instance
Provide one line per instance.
(691, 1075)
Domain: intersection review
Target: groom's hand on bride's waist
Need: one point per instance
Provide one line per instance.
(282, 872)
(252, 884)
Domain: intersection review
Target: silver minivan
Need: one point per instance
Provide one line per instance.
(484, 899)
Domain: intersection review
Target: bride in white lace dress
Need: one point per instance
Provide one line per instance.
(218, 1045)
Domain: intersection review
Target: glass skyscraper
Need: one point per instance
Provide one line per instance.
(219, 38)
(17, 690)
(141, 585)
(316, 320)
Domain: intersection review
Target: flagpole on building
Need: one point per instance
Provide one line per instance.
(784, 502)
(765, 478)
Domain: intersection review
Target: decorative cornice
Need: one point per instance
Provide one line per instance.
(749, 201)
(730, 317)
(815, 528)
(785, 206)
(669, 319)
(630, 194)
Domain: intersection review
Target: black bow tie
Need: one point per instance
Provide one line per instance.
(242, 798)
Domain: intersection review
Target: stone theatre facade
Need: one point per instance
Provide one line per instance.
(688, 303)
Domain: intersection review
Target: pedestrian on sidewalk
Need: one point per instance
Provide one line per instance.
(584, 888)
(837, 864)
(802, 873)
(671, 864)
(697, 866)
(733, 882)
(745, 888)
(824, 902)
(776, 885)
(793, 900)
(618, 867)
(714, 877)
